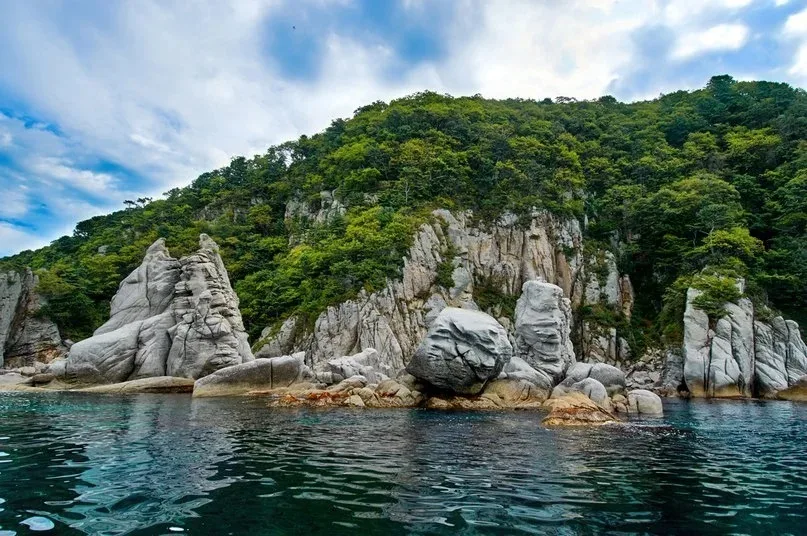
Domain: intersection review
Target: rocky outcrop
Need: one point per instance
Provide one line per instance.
(542, 328)
(719, 362)
(259, 374)
(737, 355)
(367, 363)
(462, 351)
(25, 336)
(605, 289)
(781, 356)
(494, 260)
(170, 317)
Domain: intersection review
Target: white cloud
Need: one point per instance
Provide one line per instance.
(14, 239)
(795, 28)
(717, 38)
(683, 12)
(15, 203)
(796, 24)
(170, 90)
(780, 3)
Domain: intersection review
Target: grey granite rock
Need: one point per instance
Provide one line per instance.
(25, 335)
(168, 318)
(644, 402)
(367, 363)
(609, 376)
(462, 351)
(145, 292)
(258, 374)
(542, 325)
(590, 387)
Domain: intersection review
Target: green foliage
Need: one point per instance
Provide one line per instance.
(490, 298)
(716, 290)
(708, 178)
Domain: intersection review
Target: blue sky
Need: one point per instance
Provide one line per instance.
(102, 101)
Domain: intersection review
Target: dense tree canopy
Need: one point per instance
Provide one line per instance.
(708, 183)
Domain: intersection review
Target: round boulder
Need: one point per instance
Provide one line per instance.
(611, 377)
(594, 391)
(643, 402)
(462, 351)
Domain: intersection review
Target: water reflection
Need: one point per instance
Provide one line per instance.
(149, 464)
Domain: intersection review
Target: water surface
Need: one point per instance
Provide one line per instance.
(168, 464)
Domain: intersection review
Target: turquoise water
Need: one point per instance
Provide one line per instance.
(167, 464)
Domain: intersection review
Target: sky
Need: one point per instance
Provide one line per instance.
(102, 101)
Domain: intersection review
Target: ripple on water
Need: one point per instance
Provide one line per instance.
(39, 523)
(168, 464)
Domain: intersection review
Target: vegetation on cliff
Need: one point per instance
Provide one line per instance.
(710, 182)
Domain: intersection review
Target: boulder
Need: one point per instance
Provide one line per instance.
(589, 387)
(576, 409)
(516, 393)
(160, 384)
(642, 402)
(367, 363)
(542, 327)
(462, 350)
(260, 374)
(609, 376)
(14, 378)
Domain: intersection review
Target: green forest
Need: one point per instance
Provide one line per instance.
(692, 188)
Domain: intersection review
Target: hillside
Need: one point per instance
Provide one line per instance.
(691, 189)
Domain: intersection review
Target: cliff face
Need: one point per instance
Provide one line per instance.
(739, 355)
(488, 266)
(25, 337)
(169, 318)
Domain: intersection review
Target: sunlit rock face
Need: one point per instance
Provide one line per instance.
(169, 318)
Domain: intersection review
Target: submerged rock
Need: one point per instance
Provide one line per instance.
(462, 351)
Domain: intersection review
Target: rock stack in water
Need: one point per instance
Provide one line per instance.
(738, 355)
(169, 318)
(25, 336)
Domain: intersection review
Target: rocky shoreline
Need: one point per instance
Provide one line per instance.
(175, 326)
